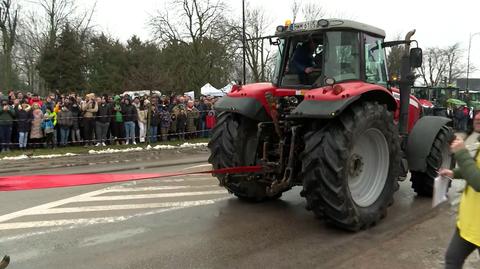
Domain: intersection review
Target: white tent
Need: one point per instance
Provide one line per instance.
(208, 89)
(191, 94)
(227, 87)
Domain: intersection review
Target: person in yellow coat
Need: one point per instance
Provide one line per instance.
(466, 238)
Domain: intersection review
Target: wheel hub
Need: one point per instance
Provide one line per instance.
(368, 167)
(356, 165)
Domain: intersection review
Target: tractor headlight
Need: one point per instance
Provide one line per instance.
(280, 28)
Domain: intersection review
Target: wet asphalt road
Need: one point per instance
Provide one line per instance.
(181, 222)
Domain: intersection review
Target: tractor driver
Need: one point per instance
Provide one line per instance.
(302, 62)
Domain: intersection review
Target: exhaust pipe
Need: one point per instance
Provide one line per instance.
(405, 86)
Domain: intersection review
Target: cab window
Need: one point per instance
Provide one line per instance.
(375, 64)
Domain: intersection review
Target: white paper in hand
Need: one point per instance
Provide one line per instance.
(440, 187)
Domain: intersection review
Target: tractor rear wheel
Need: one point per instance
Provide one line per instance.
(350, 167)
(439, 157)
(234, 143)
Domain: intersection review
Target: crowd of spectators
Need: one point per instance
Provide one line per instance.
(462, 117)
(57, 120)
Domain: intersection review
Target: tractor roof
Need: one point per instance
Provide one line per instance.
(328, 24)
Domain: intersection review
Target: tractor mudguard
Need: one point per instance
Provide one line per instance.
(321, 109)
(420, 141)
(248, 107)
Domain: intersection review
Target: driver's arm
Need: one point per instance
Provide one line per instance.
(297, 62)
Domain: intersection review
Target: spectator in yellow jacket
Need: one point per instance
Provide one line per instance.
(466, 238)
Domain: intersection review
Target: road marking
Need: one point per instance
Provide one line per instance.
(73, 226)
(62, 210)
(31, 210)
(198, 166)
(89, 197)
(63, 222)
(113, 193)
(74, 223)
(148, 196)
(181, 180)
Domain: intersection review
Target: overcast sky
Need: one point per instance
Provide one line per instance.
(438, 23)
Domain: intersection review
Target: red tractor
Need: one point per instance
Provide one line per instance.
(330, 121)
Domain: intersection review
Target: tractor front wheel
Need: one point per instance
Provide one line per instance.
(439, 157)
(350, 166)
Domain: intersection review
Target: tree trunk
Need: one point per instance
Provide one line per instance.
(7, 70)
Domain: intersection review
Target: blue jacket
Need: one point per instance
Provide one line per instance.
(302, 58)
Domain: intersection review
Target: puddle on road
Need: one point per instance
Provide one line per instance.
(110, 237)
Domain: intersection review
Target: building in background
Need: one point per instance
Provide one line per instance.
(473, 84)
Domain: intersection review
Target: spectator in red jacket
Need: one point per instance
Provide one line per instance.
(211, 118)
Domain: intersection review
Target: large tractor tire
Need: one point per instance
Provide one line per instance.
(234, 143)
(351, 165)
(439, 157)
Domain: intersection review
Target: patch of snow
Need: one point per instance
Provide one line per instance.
(109, 150)
(164, 147)
(20, 157)
(50, 156)
(53, 156)
(193, 145)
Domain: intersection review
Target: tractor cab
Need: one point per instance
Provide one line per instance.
(313, 54)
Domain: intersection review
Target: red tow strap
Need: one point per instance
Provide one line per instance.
(29, 182)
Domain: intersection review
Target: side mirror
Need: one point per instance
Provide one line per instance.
(274, 42)
(416, 57)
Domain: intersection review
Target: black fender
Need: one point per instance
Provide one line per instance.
(246, 106)
(420, 141)
(321, 109)
(328, 109)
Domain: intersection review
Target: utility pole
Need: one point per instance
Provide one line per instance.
(468, 59)
(244, 41)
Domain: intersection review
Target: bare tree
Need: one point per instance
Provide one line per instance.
(295, 8)
(188, 20)
(162, 27)
(30, 43)
(258, 53)
(313, 11)
(442, 65)
(198, 28)
(434, 67)
(455, 68)
(39, 31)
(83, 22)
(58, 13)
(8, 27)
(307, 11)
